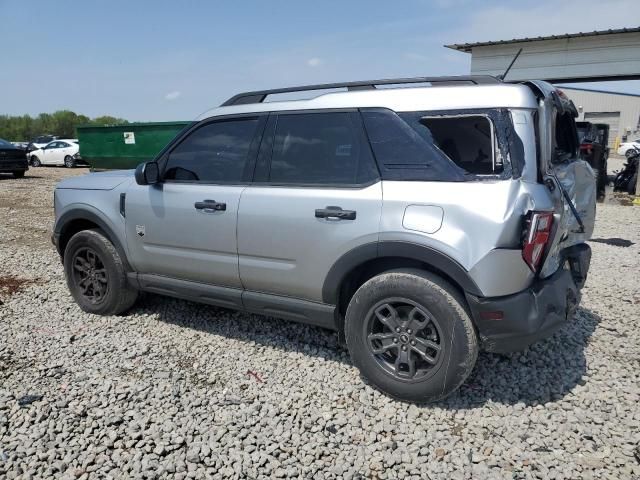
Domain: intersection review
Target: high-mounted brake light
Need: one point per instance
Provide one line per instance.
(536, 236)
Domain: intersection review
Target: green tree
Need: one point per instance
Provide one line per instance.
(62, 123)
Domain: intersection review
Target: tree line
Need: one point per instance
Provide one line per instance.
(63, 123)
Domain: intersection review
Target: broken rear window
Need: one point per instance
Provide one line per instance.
(468, 140)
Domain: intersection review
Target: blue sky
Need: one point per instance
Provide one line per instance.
(171, 60)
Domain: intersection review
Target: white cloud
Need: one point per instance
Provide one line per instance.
(515, 20)
(314, 62)
(173, 95)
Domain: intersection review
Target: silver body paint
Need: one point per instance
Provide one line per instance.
(269, 241)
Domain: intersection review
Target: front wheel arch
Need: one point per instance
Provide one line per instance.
(77, 220)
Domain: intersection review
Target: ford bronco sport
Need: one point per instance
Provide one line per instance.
(422, 223)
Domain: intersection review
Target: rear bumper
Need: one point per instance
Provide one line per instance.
(511, 323)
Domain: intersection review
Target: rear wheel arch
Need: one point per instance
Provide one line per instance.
(357, 266)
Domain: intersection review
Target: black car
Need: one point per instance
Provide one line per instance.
(12, 159)
(40, 141)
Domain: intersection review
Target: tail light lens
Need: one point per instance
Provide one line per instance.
(536, 237)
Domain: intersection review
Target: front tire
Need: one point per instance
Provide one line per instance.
(35, 161)
(18, 174)
(96, 275)
(69, 162)
(410, 335)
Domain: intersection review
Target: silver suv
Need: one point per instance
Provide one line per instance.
(421, 223)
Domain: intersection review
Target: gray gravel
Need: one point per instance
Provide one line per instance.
(165, 391)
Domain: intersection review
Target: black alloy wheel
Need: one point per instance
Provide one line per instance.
(90, 275)
(404, 338)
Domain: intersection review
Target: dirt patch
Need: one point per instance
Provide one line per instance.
(10, 285)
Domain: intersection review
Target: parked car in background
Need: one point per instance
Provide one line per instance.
(420, 223)
(40, 141)
(21, 145)
(59, 152)
(626, 147)
(593, 140)
(12, 159)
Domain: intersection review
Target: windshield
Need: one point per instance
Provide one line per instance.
(5, 144)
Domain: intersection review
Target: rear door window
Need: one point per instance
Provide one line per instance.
(325, 148)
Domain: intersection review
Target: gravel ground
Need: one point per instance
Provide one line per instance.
(178, 390)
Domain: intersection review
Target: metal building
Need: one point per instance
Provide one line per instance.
(570, 57)
(620, 110)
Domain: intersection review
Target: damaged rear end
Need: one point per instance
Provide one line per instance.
(571, 183)
(553, 239)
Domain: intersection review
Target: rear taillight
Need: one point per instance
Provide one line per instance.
(537, 234)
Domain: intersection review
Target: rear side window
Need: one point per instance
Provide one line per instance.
(320, 148)
(214, 153)
(467, 140)
(403, 153)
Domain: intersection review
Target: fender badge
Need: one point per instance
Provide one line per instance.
(140, 230)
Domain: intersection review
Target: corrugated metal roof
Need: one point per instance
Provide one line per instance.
(466, 47)
(625, 94)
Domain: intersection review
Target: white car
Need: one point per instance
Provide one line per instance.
(625, 148)
(63, 151)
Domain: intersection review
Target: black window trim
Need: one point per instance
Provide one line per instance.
(269, 142)
(247, 174)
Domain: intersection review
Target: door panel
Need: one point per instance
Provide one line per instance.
(168, 235)
(320, 197)
(185, 226)
(54, 155)
(284, 249)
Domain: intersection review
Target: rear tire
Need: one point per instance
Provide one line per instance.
(35, 161)
(96, 275)
(18, 174)
(410, 335)
(69, 162)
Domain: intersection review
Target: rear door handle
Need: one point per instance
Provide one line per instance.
(335, 213)
(210, 205)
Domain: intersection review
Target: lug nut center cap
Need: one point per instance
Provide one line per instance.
(404, 338)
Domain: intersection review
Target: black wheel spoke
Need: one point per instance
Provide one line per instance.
(417, 319)
(388, 316)
(422, 349)
(404, 364)
(90, 275)
(80, 264)
(404, 338)
(381, 342)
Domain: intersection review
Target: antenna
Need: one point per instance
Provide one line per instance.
(502, 77)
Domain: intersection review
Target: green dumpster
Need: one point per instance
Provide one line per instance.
(125, 146)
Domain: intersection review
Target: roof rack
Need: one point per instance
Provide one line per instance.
(259, 96)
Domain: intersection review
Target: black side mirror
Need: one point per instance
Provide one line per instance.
(147, 173)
